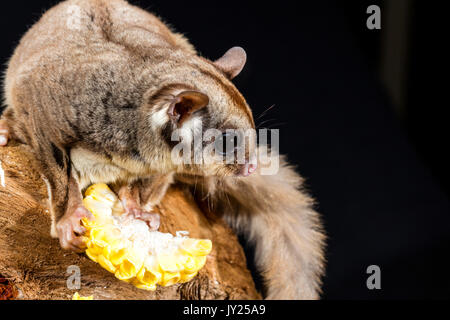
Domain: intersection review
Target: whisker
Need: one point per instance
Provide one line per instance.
(195, 184)
(265, 111)
(265, 121)
(277, 124)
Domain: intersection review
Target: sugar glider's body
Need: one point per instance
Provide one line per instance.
(97, 87)
(87, 65)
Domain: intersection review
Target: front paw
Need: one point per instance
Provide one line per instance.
(135, 211)
(70, 229)
(152, 219)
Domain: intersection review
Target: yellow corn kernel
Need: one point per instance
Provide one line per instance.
(77, 296)
(170, 278)
(147, 277)
(105, 263)
(186, 277)
(144, 258)
(170, 263)
(197, 247)
(90, 252)
(101, 192)
(130, 265)
(144, 286)
(115, 253)
(200, 262)
(191, 265)
(152, 266)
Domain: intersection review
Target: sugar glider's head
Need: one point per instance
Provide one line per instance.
(203, 123)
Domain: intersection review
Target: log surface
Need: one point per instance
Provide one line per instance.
(37, 267)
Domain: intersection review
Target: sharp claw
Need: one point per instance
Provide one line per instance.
(153, 220)
(80, 230)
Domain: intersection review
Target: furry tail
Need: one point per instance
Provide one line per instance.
(274, 214)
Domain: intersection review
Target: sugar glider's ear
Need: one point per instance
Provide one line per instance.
(185, 104)
(232, 62)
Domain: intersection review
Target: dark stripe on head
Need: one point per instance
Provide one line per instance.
(231, 91)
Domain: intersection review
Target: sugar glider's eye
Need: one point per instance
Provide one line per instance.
(226, 144)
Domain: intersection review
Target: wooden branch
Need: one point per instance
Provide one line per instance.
(36, 266)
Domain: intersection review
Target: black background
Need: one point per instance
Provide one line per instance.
(380, 177)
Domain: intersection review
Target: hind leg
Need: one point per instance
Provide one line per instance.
(69, 228)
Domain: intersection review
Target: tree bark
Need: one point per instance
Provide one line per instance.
(36, 267)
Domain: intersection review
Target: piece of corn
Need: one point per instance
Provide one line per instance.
(126, 247)
(77, 296)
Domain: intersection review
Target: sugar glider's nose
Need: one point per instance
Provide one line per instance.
(248, 168)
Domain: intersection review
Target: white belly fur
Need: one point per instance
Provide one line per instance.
(93, 168)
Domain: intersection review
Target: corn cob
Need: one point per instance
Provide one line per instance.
(126, 247)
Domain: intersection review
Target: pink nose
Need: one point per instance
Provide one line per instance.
(248, 169)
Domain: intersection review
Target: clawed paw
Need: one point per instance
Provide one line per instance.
(129, 197)
(70, 229)
(151, 218)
